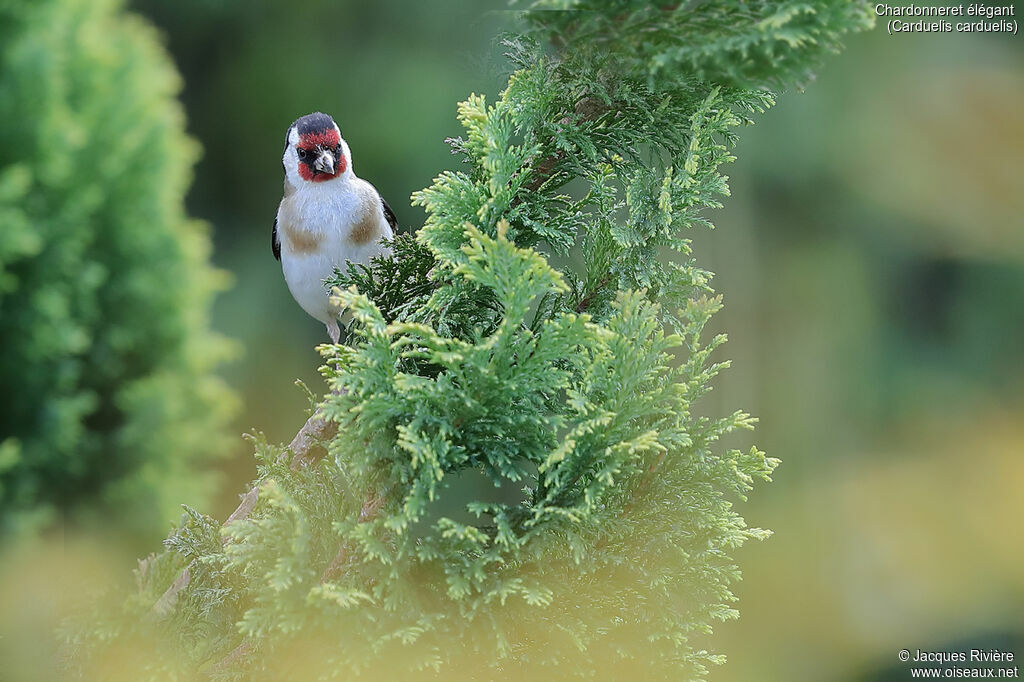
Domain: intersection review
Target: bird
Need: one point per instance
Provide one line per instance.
(328, 216)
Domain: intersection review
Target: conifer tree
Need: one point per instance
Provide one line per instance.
(109, 400)
(543, 332)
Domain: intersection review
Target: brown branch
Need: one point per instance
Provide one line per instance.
(304, 449)
(369, 512)
(307, 441)
(165, 604)
(645, 481)
(586, 109)
(371, 507)
(589, 298)
(239, 653)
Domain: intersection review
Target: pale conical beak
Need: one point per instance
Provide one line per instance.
(325, 163)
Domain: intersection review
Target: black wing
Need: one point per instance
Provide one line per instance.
(275, 245)
(389, 215)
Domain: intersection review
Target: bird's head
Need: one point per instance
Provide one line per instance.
(314, 150)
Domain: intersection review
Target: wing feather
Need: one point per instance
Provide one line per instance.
(389, 215)
(275, 243)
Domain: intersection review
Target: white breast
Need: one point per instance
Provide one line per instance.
(320, 227)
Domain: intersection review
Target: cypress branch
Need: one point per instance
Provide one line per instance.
(533, 343)
(305, 448)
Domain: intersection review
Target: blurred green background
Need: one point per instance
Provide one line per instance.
(871, 260)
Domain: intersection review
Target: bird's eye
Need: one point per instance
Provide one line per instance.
(302, 153)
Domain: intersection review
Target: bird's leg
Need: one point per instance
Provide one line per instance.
(334, 331)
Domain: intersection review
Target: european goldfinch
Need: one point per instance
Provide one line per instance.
(328, 215)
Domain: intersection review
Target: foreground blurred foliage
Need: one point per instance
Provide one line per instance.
(109, 406)
(551, 344)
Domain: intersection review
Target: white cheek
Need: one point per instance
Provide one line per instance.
(348, 156)
(291, 167)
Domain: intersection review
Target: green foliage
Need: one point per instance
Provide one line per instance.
(104, 286)
(750, 44)
(548, 346)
